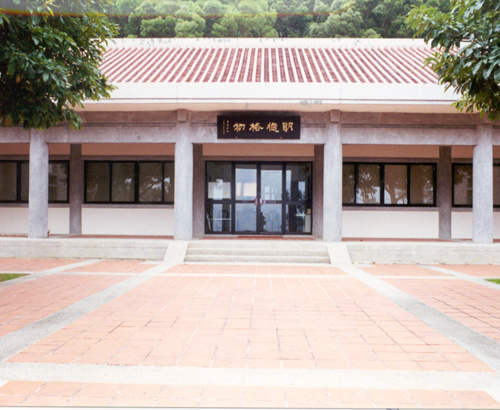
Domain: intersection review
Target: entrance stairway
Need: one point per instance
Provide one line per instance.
(257, 251)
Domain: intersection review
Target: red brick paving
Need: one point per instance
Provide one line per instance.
(483, 271)
(276, 321)
(270, 322)
(469, 303)
(400, 270)
(30, 301)
(255, 270)
(115, 266)
(28, 393)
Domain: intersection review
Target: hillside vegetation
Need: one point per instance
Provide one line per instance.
(266, 18)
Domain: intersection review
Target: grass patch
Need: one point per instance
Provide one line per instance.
(497, 281)
(9, 276)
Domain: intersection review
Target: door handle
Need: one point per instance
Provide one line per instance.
(256, 202)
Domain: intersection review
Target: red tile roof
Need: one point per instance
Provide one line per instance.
(311, 61)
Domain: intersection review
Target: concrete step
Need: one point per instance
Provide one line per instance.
(257, 259)
(257, 243)
(257, 251)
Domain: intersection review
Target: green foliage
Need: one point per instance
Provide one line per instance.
(497, 281)
(467, 59)
(158, 27)
(49, 58)
(271, 18)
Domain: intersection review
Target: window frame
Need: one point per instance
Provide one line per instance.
(19, 164)
(382, 184)
(456, 164)
(136, 200)
(453, 166)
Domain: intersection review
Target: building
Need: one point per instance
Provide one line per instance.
(335, 138)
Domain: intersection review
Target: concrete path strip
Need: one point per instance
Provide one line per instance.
(459, 275)
(481, 346)
(178, 375)
(23, 338)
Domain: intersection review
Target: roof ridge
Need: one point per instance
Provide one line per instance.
(307, 43)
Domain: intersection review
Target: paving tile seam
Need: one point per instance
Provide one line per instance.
(181, 375)
(253, 275)
(481, 346)
(72, 266)
(21, 339)
(464, 276)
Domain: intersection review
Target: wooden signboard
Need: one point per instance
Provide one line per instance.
(258, 126)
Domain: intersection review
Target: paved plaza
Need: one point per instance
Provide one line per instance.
(141, 333)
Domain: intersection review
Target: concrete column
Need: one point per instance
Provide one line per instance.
(183, 207)
(38, 186)
(317, 194)
(332, 181)
(482, 185)
(198, 191)
(76, 187)
(444, 192)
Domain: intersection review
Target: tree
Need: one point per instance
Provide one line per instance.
(50, 52)
(468, 51)
(158, 27)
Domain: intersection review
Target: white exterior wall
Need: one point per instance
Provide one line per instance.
(126, 221)
(407, 224)
(149, 221)
(462, 224)
(14, 220)
(390, 224)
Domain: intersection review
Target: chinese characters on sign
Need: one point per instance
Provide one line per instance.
(262, 126)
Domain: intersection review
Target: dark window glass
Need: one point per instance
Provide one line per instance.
(25, 181)
(246, 182)
(396, 184)
(348, 184)
(298, 182)
(218, 217)
(401, 184)
(129, 182)
(422, 184)
(496, 185)
(368, 184)
(219, 180)
(150, 182)
(8, 181)
(298, 219)
(15, 181)
(169, 182)
(97, 183)
(462, 184)
(123, 182)
(58, 182)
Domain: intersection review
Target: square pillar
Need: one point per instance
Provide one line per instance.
(183, 206)
(317, 195)
(76, 187)
(444, 192)
(332, 181)
(198, 191)
(482, 185)
(38, 186)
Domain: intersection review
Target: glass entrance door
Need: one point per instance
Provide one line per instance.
(271, 199)
(258, 198)
(245, 198)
